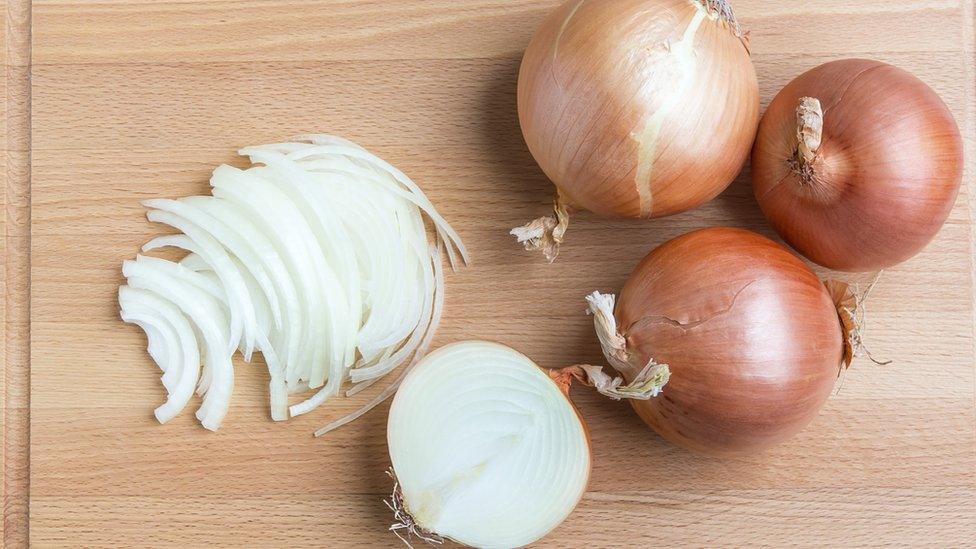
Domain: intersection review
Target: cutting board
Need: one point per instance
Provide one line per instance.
(110, 102)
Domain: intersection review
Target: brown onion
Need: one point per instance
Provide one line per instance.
(753, 339)
(635, 108)
(857, 164)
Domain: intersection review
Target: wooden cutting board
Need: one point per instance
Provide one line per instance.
(109, 102)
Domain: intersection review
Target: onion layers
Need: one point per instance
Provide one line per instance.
(317, 256)
(857, 164)
(486, 448)
(751, 335)
(635, 108)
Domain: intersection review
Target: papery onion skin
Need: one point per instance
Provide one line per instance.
(638, 108)
(884, 178)
(751, 334)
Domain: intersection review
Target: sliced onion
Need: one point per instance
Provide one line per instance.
(292, 318)
(385, 366)
(193, 262)
(163, 346)
(281, 218)
(204, 311)
(237, 298)
(332, 238)
(417, 196)
(391, 298)
(263, 316)
(182, 274)
(187, 363)
(318, 256)
(389, 390)
(486, 448)
(235, 243)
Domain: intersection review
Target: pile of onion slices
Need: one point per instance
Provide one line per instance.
(317, 256)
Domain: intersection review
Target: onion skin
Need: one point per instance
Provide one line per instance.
(620, 121)
(884, 178)
(751, 334)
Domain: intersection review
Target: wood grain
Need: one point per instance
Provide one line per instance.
(16, 272)
(132, 99)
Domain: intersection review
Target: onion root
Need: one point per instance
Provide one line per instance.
(402, 519)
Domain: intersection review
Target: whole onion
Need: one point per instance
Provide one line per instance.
(635, 108)
(857, 164)
(754, 340)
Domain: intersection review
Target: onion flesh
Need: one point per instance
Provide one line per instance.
(185, 363)
(204, 311)
(486, 448)
(317, 256)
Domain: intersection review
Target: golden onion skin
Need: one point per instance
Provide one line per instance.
(750, 333)
(638, 108)
(884, 178)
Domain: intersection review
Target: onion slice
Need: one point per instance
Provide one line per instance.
(169, 279)
(137, 303)
(318, 255)
(487, 450)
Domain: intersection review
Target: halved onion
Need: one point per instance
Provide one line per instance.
(487, 449)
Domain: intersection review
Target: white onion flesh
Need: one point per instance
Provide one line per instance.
(185, 363)
(163, 344)
(242, 321)
(281, 220)
(263, 317)
(171, 280)
(486, 448)
(317, 256)
(421, 351)
(292, 318)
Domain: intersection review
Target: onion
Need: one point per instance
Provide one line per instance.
(179, 286)
(753, 339)
(857, 164)
(183, 365)
(317, 256)
(487, 450)
(635, 108)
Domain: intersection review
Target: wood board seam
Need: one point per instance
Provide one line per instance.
(969, 47)
(17, 269)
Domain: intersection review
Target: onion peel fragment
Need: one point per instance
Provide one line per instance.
(852, 312)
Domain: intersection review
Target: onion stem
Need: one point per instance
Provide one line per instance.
(545, 233)
(852, 313)
(614, 345)
(809, 133)
(647, 384)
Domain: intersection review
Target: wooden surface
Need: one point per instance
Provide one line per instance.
(131, 99)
